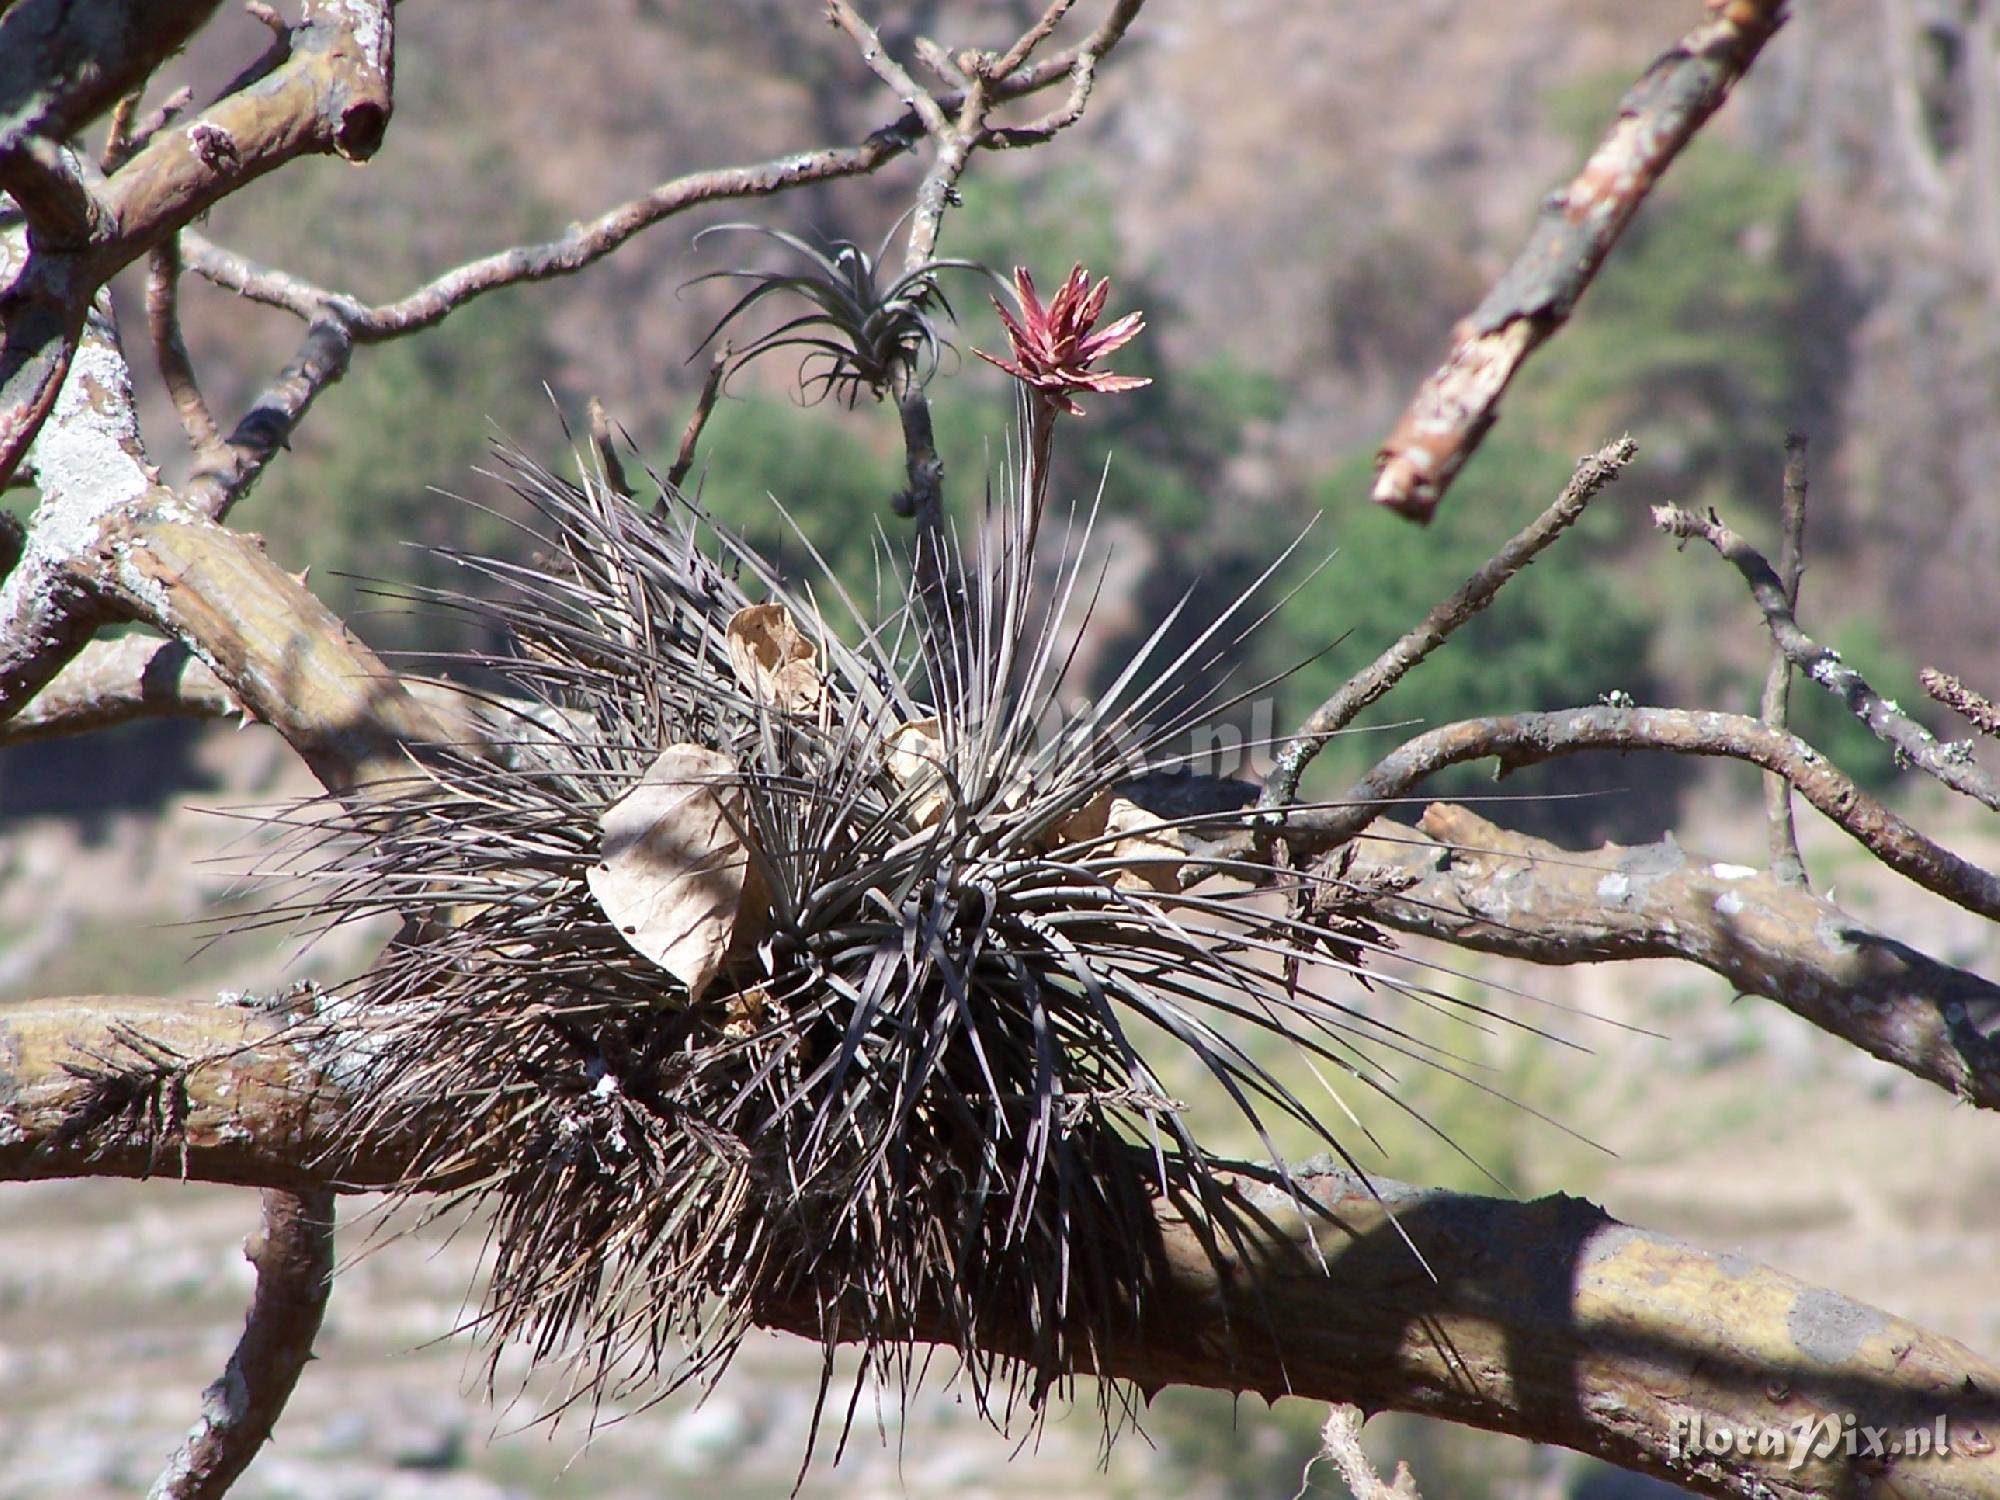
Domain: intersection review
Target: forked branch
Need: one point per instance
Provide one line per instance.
(1592, 476)
(1460, 879)
(1517, 740)
(1951, 764)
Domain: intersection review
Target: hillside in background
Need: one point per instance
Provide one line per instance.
(1303, 199)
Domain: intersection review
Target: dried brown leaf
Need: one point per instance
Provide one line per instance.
(676, 878)
(1150, 855)
(774, 659)
(915, 758)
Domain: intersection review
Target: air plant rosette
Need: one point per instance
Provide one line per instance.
(754, 970)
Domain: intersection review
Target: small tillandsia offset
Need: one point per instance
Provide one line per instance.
(754, 970)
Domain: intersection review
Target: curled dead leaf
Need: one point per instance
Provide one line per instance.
(676, 878)
(1148, 856)
(774, 659)
(1151, 855)
(915, 757)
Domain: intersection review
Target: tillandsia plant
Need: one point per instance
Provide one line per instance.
(861, 334)
(748, 979)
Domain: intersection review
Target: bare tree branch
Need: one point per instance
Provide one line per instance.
(1547, 1319)
(88, 464)
(224, 474)
(1591, 477)
(1460, 879)
(1024, 47)
(1445, 421)
(1518, 740)
(1976, 709)
(293, 1254)
(590, 241)
(279, 651)
(140, 677)
(883, 65)
(114, 682)
(331, 95)
(170, 352)
(45, 181)
(62, 63)
(1951, 764)
(1775, 709)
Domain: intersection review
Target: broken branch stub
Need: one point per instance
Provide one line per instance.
(676, 877)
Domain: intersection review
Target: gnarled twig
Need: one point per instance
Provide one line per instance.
(1592, 475)
(1952, 765)
(1525, 739)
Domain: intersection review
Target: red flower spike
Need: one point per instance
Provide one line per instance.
(1055, 346)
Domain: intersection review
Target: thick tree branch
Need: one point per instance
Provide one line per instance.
(140, 677)
(114, 682)
(1951, 764)
(88, 465)
(1460, 879)
(330, 95)
(1368, 685)
(276, 647)
(1579, 224)
(1518, 740)
(62, 63)
(1546, 1319)
(45, 181)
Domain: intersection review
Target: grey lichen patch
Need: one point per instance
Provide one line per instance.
(1829, 1328)
(1651, 861)
(86, 458)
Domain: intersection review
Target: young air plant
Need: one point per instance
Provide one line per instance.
(860, 334)
(748, 979)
